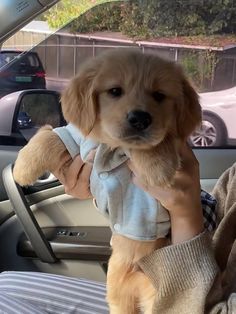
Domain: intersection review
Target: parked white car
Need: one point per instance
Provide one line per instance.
(219, 124)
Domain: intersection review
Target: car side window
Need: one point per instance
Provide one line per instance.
(199, 35)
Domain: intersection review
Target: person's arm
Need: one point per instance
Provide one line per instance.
(184, 272)
(224, 191)
(187, 279)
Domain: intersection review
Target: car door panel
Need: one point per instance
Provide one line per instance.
(52, 208)
(63, 211)
(8, 155)
(10, 260)
(213, 162)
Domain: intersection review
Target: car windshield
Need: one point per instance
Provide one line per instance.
(23, 114)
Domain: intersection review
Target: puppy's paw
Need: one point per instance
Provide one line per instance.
(25, 171)
(42, 153)
(23, 177)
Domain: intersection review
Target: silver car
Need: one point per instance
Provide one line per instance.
(218, 125)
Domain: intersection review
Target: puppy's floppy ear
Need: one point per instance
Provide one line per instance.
(189, 115)
(79, 100)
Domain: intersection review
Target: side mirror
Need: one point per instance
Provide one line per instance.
(22, 113)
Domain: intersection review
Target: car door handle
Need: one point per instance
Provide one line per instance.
(46, 178)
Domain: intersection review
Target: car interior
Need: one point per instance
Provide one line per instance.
(41, 227)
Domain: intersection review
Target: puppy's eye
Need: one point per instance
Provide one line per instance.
(158, 96)
(115, 91)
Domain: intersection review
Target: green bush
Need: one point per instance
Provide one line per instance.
(200, 67)
(154, 18)
(148, 18)
(105, 17)
(68, 10)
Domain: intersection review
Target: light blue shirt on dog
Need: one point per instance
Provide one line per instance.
(132, 212)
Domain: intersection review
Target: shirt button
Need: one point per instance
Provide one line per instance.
(117, 227)
(103, 175)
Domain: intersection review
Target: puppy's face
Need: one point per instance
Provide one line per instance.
(129, 99)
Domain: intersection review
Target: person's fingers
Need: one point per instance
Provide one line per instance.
(84, 175)
(81, 189)
(71, 172)
(187, 156)
(137, 182)
(132, 168)
(64, 163)
(74, 174)
(91, 156)
(75, 167)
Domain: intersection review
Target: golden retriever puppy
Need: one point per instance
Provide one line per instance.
(136, 101)
(144, 105)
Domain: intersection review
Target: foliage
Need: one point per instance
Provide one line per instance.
(67, 10)
(97, 19)
(152, 18)
(174, 21)
(200, 67)
(148, 18)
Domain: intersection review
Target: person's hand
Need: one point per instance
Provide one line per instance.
(74, 174)
(182, 199)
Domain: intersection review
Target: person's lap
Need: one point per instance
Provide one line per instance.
(40, 293)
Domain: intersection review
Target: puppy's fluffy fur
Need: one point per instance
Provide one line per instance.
(100, 100)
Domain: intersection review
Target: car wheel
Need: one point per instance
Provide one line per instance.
(211, 133)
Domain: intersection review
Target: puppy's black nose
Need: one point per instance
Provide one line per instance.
(139, 120)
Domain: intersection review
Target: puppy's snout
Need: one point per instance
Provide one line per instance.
(139, 120)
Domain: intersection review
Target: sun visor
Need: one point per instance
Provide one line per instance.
(14, 14)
